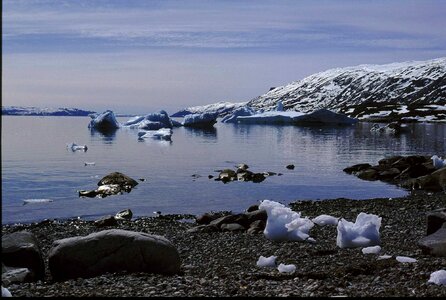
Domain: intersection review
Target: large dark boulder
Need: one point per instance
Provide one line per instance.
(112, 250)
(21, 250)
(435, 243)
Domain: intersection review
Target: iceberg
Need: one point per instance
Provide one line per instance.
(239, 112)
(283, 224)
(163, 134)
(283, 268)
(105, 121)
(438, 277)
(323, 220)
(270, 117)
(75, 147)
(318, 117)
(200, 120)
(266, 262)
(152, 121)
(363, 233)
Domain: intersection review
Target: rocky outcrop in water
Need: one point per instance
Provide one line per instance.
(411, 172)
(113, 184)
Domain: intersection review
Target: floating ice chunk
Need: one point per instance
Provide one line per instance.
(438, 162)
(438, 277)
(6, 292)
(75, 147)
(325, 220)
(284, 224)
(104, 122)
(199, 120)
(286, 268)
(384, 257)
(133, 121)
(163, 133)
(371, 250)
(267, 262)
(31, 201)
(405, 259)
(363, 233)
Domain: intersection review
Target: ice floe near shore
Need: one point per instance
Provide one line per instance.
(318, 117)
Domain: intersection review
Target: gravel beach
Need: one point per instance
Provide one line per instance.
(224, 263)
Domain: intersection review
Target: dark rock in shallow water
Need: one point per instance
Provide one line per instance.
(21, 250)
(290, 167)
(112, 251)
(126, 214)
(411, 172)
(106, 221)
(112, 184)
(119, 179)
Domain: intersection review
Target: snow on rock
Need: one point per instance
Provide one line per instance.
(200, 120)
(220, 108)
(286, 268)
(323, 220)
(363, 233)
(284, 224)
(371, 250)
(438, 277)
(267, 262)
(363, 90)
(36, 111)
(239, 112)
(105, 121)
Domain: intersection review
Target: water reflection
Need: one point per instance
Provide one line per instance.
(207, 133)
(106, 136)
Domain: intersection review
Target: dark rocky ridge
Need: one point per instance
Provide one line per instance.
(224, 263)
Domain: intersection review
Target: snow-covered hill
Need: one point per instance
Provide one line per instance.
(35, 111)
(222, 108)
(409, 91)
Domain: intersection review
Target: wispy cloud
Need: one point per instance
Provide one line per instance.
(258, 25)
(180, 53)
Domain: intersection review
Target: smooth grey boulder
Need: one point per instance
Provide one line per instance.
(435, 243)
(113, 250)
(435, 219)
(21, 250)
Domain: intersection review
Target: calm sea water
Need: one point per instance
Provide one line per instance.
(37, 165)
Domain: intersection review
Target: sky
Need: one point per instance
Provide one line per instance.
(141, 56)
